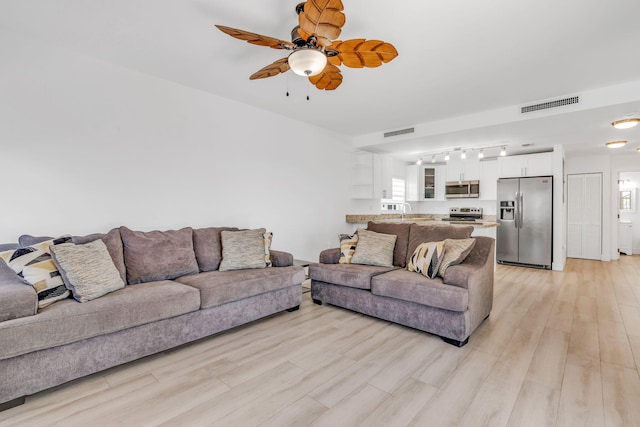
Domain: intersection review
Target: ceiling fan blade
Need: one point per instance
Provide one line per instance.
(358, 53)
(323, 19)
(253, 38)
(280, 66)
(329, 79)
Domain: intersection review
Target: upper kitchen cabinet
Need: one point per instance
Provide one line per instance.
(489, 179)
(362, 175)
(424, 183)
(463, 169)
(373, 175)
(539, 164)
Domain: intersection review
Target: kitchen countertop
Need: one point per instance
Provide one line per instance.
(423, 219)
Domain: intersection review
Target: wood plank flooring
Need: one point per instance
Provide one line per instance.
(560, 349)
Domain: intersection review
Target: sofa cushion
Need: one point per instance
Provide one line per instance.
(158, 255)
(88, 270)
(435, 233)
(374, 248)
(128, 307)
(244, 249)
(408, 286)
(351, 275)
(207, 244)
(113, 241)
(402, 241)
(220, 287)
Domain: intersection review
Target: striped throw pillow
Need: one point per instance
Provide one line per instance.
(348, 243)
(426, 259)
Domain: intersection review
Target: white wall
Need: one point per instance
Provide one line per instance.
(86, 146)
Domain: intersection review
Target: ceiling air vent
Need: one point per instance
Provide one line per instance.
(550, 104)
(398, 132)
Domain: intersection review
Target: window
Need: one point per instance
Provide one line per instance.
(397, 189)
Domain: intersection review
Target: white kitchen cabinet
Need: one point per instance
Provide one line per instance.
(463, 169)
(413, 183)
(625, 237)
(382, 174)
(424, 183)
(539, 164)
(362, 175)
(489, 180)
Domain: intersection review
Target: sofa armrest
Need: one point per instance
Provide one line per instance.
(281, 259)
(330, 256)
(482, 253)
(17, 297)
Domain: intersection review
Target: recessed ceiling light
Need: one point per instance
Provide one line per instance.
(616, 144)
(625, 123)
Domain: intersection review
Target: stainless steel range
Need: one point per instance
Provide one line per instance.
(463, 215)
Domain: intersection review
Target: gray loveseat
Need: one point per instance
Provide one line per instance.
(451, 307)
(174, 294)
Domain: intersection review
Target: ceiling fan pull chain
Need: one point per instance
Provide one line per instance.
(287, 84)
(307, 89)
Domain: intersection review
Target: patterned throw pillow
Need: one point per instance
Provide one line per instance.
(455, 251)
(348, 243)
(268, 238)
(374, 249)
(34, 264)
(426, 259)
(87, 270)
(243, 249)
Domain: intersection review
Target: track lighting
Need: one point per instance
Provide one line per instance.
(446, 157)
(463, 155)
(503, 151)
(419, 162)
(481, 154)
(625, 123)
(433, 158)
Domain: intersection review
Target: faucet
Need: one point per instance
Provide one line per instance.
(404, 209)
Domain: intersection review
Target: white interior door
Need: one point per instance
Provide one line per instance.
(584, 216)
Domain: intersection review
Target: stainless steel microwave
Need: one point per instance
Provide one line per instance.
(462, 189)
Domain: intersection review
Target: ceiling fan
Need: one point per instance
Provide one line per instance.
(315, 52)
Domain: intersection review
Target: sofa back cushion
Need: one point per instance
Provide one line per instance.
(402, 232)
(207, 244)
(113, 242)
(158, 255)
(435, 233)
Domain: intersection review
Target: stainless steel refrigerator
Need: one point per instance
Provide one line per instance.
(525, 218)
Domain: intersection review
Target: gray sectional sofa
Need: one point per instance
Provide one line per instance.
(451, 307)
(175, 293)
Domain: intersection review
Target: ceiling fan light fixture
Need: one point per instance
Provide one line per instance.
(307, 61)
(625, 123)
(616, 144)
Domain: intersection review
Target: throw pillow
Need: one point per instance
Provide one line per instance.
(87, 270)
(374, 248)
(426, 259)
(158, 255)
(455, 251)
(207, 244)
(348, 243)
(34, 264)
(268, 238)
(243, 249)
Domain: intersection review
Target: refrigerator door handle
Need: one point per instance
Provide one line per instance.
(521, 209)
(515, 217)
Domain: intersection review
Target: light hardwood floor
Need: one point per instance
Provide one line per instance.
(560, 348)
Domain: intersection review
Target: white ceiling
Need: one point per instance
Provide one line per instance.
(479, 59)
